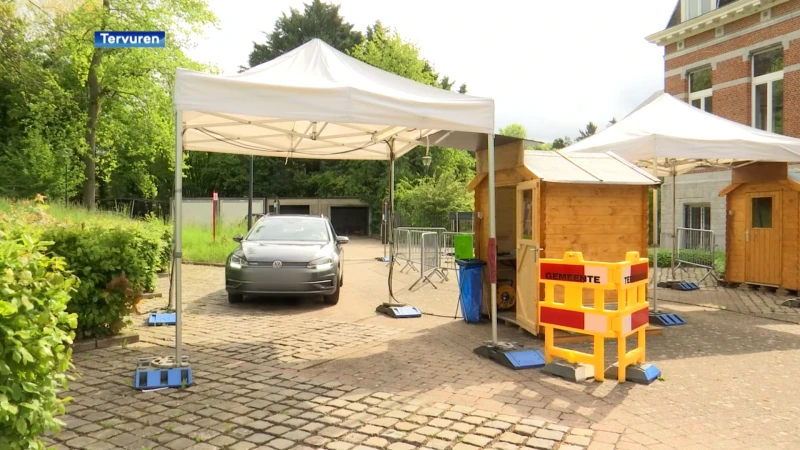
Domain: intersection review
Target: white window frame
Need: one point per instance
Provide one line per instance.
(685, 9)
(767, 79)
(701, 95)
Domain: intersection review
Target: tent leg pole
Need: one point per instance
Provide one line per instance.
(389, 219)
(177, 232)
(492, 239)
(250, 198)
(674, 225)
(655, 239)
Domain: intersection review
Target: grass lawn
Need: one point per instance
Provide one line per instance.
(198, 245)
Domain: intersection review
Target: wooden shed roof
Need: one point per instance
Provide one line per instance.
(585, 168)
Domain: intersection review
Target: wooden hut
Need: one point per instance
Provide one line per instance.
(549, 203)
(761, 248)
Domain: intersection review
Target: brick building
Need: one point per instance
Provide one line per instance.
(738, 59)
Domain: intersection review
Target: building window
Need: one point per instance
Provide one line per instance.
(694, 8)
(697, 220)
(697, 217)
(700, 91)
(768, 90)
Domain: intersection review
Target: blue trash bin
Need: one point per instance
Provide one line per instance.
(470, 288)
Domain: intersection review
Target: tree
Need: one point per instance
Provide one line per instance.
(612, 122)
(590, 130)
(110, 107)
(560, 143)
(463, 88)
(385, 49)
(318, 20)
(514, 130)
(434, 196)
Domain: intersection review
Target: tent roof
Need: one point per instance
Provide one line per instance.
(317, 102)
(585, 168)
(683, 138)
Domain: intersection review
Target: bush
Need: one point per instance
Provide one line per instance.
(699, 256)
(165, 253)
(35, 332)
(115, 265)
(115, 258)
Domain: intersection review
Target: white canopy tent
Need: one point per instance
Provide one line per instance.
(671, 137)
(318, 103)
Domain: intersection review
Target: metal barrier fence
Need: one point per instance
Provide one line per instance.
(408, 245)
(696, 248)
(428, 258)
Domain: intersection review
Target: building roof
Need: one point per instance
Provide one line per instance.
(727, 11)
(585, 168)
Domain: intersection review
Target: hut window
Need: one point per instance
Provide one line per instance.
(527, 214)
(762, 212)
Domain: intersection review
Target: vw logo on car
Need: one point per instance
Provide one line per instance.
(277, 265)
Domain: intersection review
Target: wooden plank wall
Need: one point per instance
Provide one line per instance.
(507, 156)
(735, 230)
(602, 222)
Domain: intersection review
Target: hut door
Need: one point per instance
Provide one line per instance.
(527, 256)
(762, 248)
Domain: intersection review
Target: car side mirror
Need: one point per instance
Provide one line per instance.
(238, 238)
(342, 240)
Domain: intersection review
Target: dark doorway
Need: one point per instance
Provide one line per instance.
(350, 220)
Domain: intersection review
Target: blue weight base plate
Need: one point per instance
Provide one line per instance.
(399, 311)
(147, 377)
(665, 319)
(156, 319)
(513, 356)
(637, 373)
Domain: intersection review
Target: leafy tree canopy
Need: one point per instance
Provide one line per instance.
(318, 20)
(514, 130)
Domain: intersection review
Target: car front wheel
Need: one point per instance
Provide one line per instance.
(333, 298)
(235, 298)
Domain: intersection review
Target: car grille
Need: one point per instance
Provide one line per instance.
(269, 264)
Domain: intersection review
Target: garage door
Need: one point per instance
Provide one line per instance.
(350, 220)
(295, 209)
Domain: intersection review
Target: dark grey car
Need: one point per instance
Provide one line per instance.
(287, 255)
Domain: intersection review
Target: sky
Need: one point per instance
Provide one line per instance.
(550, 65)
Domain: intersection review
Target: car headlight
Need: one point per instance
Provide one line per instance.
(324, 263)
(237, 262)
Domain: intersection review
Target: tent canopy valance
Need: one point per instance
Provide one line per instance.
(316, 102)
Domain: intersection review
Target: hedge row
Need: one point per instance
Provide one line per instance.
(115, 260)
(35, 334)
(698, 256)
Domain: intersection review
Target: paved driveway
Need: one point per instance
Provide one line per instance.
(277, 374)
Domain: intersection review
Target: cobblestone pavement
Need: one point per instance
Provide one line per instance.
(744, 299)
(280, 374)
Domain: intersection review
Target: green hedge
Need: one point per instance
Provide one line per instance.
(116, 259)
(35, 334)
(115, 264)
(699, 256)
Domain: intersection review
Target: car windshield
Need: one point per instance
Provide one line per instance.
(289, 229)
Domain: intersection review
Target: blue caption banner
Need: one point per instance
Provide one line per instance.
(130, 39)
